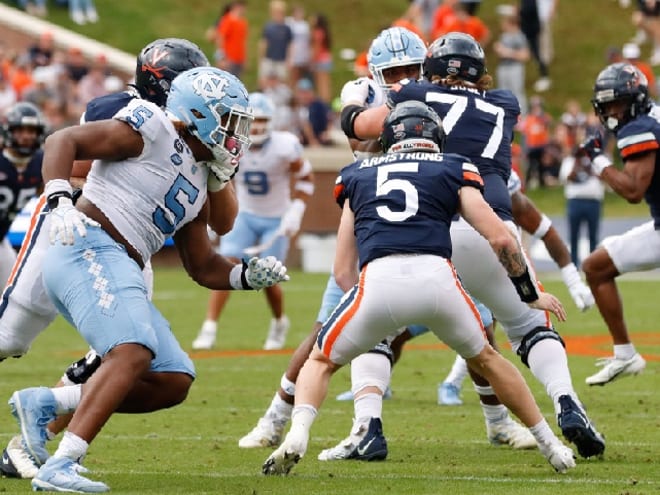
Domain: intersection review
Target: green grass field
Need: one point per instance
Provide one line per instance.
(192, 448)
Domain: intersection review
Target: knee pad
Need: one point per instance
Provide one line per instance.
(532, 338)
(371, 369)
(383, 347)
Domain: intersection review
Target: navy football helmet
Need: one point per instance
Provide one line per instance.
(160, 62)
(620, 82)
(215, 107)
(23, 114)
(455, 54)
(412, 126)
(395, 47)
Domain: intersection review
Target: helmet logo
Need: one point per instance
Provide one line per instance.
(210, 86)
(158, 55)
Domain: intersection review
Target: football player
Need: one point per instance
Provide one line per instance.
(273, 187)
(144, 157)
(479, 123)
(402, 242)
(23, 133)
(621, 101)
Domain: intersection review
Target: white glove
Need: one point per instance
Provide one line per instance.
(579, 291)
(64, 218)
(264, 272)
(355, 92)
(292, 218)
(220, 174)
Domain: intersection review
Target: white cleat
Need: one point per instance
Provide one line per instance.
(16, 461)
(206, 338)
(287, 455)
(267, 433)
(614, 368)
(560, 457)
(277, 334)
(509, 432)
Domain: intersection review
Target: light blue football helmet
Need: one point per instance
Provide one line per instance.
(214, 106)
(263, 109)
(395, 47)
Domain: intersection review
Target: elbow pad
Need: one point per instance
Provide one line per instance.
(348, 115)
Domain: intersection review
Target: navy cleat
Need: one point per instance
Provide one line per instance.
(576, 428)
(372, 446)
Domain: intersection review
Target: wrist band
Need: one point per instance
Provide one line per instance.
(600, 163)
(237, 278)
(525, 287)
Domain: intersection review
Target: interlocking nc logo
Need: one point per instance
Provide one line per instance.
(210, 86)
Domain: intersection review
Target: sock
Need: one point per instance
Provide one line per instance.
(72, 446)
(624, 351)
(368, 406)
(210, 326)
(542, 433)
(548, 363)
(494, 414)
(303, 416)
(279, 409)
(67, 398)
(459, 371)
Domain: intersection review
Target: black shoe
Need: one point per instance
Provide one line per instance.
(373, 446)
(7, 467)
(576, 428)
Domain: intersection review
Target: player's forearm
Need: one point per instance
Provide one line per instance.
(623, 184)
(556, 248)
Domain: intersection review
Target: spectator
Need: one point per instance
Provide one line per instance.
(41, 52)
(313, 116)
(631, 53)
(20, 75)
(647, 19)
(83, 11)
(275, 43)
(34, 7)
(421, 12)
(76, 65)
(230, 38)
(301, 45)
(464, 21)
(408, 21)
(535, 16)
(513, 53)
(7, 95)
(282, 96)
(41, 90)
(584, 194)
(535, 127)
(444, 14)
(574, 120)
(322, 56)
(92, 84)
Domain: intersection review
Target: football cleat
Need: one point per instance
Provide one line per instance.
(576, 428)
(559, 456)
(267, 433)
(277, 334)
(614, 368)
(288, 454)
(449, 395)
(509, 432)
(34, 408)
(16, 462)
(348, 395)
(61, 474)
(368, 444)
(206, 338)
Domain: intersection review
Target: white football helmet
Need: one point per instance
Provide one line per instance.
(264, 111)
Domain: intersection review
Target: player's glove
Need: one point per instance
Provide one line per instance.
(579, 291)
(258, 273)
(64, 218)
(292, 218)
(220, 174)
(593, 148)
(356, 92)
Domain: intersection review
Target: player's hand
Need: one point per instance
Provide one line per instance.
(64, 218)
(355, 92)
(264, 272)
(592, 146)
(579, 291)
(548, 302)
(220, 174)
(292, 218)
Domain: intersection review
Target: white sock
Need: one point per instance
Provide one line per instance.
(210, 326)
(624, 351)
(458, 372)
(67, 398)
(542, 433)
(279, 409)
(303, 416)
(548, 363)
(368, 406)
(494, 414)
(72, 446)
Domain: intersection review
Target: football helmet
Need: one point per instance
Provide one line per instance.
(395, 47)
(214, 106)
(625, 84)
(455, 54)
(263, 110)
(23, 114)
(412, 126)
(160, 62)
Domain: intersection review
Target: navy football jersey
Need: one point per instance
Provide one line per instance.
(640, 136)
(16, 188)
(105, 107)
(479, 125)
(404, 202)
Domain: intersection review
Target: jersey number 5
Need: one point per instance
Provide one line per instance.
(175, 209)
(385, 185)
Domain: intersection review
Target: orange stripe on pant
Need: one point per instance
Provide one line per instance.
(468, 299)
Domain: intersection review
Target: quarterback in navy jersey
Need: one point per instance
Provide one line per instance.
(390, 205)
(23, 133)
(621, 100)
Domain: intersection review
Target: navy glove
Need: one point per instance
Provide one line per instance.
(593, 145)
